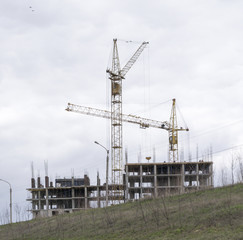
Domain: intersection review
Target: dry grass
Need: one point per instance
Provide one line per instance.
(209, 214)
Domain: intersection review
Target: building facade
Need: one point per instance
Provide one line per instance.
(159, 179)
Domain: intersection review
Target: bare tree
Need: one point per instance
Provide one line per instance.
(140, 207)
(165, 211)
(18, 210)
(27, 212)
(232, 169)
(108, 219)
(93, 220)
(240, 170)
(224, 178)
(6, 216)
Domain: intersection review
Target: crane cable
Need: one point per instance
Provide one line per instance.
(150, 108)
(224, 150)
(217, 128)
(181, 115)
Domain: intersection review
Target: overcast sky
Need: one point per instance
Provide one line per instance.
(55, 52)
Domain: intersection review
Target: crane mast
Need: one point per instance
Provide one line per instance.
(116, 120)
(116, 75)
(173, 134)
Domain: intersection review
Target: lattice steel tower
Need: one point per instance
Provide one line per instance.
(116, 75)
(173, 134)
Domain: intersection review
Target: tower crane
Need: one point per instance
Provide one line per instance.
(116, 75)
(173, 134)
(144, 123)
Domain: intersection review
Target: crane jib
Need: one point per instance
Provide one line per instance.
(142, 122)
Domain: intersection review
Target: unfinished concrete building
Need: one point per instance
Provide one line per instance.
(140, 180)
(68, 195)
(157, 179)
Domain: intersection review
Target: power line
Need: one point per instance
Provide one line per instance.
(224, 150)
(216, 128)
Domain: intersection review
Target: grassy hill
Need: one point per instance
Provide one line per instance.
(209, 214)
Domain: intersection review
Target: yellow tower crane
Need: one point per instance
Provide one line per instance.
(144, 123)
(173, 134)
(116, 75)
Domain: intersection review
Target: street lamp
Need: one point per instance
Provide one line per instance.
(10, 205)
(107, 167)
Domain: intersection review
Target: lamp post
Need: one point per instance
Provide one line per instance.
(10, 205)
(107, 168)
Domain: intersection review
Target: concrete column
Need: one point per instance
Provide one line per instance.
(211, 174)
(73, 200)
(33, 193)
(168, 172)
(32, 183)
(73, 194)
(85, 198)
(126, 181)
(33, 197)
(38, 182)
(47, 202)
(197, 172)
(132, 191)
(155, 182)
(182, 178)
(46, 181)
(141, 181)
(39, 201)
(98, 196)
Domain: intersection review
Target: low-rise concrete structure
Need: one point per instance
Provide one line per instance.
(140, 180)
(157, 179)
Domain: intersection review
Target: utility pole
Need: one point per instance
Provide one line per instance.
(107, 170)
(10, 205)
